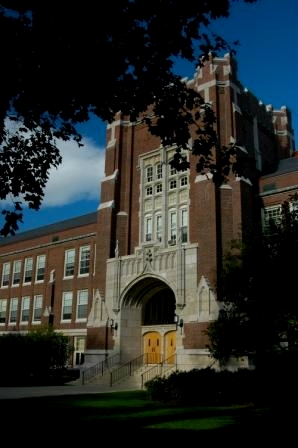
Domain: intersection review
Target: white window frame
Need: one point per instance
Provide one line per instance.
(273, 212)
(13, 310)
(69, 262)
(67, 299)
(28, 271)
(25, 310)
(84, 260)
(82, 305)
(3, 310)
(40, 268)
(5, 275)
(37, 308)
(16, 273)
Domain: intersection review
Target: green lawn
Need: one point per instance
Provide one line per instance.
(132, 418)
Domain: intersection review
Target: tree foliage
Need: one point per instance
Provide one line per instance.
(259, 312)
(40, 355)
(63, 62)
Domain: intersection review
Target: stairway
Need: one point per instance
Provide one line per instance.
(130, 376)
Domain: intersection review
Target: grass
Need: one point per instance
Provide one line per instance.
(133, 418)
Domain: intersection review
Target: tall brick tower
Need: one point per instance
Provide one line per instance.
(162, 233)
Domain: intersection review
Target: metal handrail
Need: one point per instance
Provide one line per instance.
(127, 369)
(99, 369)
(158, 370)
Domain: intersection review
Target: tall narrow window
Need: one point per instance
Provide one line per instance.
(82, 304)
(84, 260)
(148, 229)
(28, 270)
(149, 174)
(13, 311)
(3, 308)
(184, 226)
(5, 274)
(173, 171)
(159, 171)
(40, 268)
(16, 273)
(37, 308)
(173, 227)
(25, 309)
(159, 228)
(67, 305)
(69, 263)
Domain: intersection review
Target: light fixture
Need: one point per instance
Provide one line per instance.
(178, 322)
(113, 325)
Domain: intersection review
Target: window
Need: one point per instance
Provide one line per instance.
(82, 304)
(172, 171)
(40, 268)
(84, 260)
(28, 270)
(148, 229)
(173, 227)
(67, 305)
(37, 308)
(5, 274)
(184, 226)
(159, 171)
(69, 263)
(149, 191)
(13, 310)
(158, 188)
(271, 215)
(173, 184)
(16, 273)
(183, 181)
(3, 308)
(25, 309)
(158, 227)
(149, 174)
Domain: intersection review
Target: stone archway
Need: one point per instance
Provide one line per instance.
(147, 316)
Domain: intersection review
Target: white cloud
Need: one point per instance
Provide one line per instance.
(78, 176)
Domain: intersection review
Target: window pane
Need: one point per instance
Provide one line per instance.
(40, 267)
(3, 308)
(84, 260)
(69, 263)
(5, 274)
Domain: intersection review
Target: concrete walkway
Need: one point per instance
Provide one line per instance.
(8, 393)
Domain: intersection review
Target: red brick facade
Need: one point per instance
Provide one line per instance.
(139, 276)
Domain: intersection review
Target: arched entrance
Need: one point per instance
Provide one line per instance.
(148, 309)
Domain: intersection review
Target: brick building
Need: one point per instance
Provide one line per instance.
(138, 276)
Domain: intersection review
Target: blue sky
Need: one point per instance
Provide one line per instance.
(267, 66)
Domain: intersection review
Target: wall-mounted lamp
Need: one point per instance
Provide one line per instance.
(113, 325)
(178, 322)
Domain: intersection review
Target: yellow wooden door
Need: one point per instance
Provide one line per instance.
(152, 347)
(170, 347)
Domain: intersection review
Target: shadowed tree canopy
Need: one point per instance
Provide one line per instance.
(63, 61)
(259, 313)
